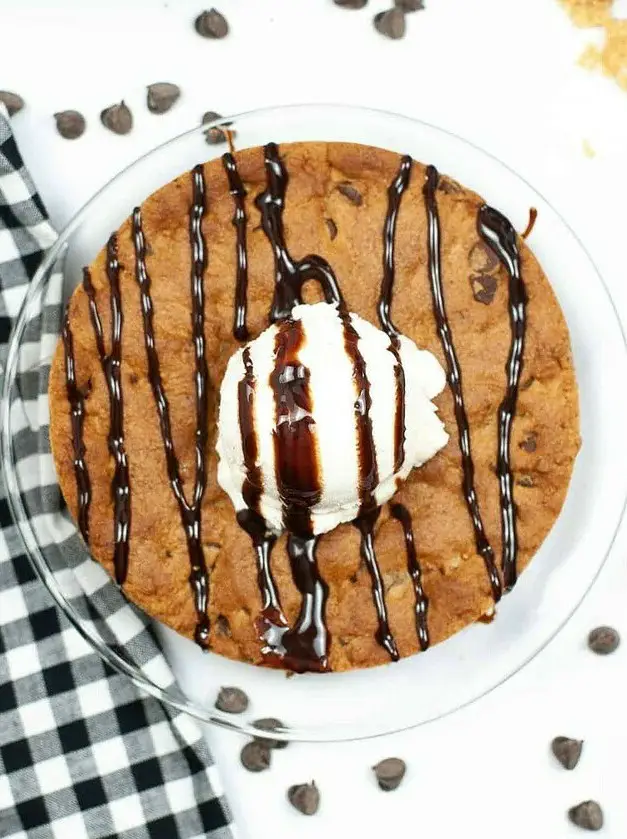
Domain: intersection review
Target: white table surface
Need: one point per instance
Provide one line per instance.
(503, 75)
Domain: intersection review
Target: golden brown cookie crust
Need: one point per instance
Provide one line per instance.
(545, 437)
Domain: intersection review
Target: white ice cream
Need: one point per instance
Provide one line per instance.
(333, 393)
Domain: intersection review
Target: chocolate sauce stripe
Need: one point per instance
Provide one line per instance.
(499, 235)
(111, 368)
(402, 515)
(77, 414)
(368, 480)
(191, 518)
(454, 377)
(238, 191)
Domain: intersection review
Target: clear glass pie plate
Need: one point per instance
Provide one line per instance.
(391, 697)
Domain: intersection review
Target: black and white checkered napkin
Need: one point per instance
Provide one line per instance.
(83, 754)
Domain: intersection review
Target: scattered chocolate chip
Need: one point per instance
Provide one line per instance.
(410, 5)
(70, 124)
(567, 751)
(256, 756)
(483, 288)
(161, 96)
(211, 24)
(603, 640)
(391, 23)
(216, 134)
(270, 724)
(389, 773)
(587, 815)
(117, 118)
(350, 192)
(530, 443)
(351, 4)
(525, 481)
(13, 102)
(448, 186)
(232, 700)
(482, 258)
(223, 627)
(331, 227)
(305, 798)
(133, 378)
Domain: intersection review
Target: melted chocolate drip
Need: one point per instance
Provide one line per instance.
(253, 483)
(111, 367)
(368, 480)
(190, 513)
(290, 276)
(238, 191)
(395, 194)
(76, 399)
(455, 380)
(295, 449)
(271, 624)
(402, 514)
(499, 235)
(306, 646)
(365, 522)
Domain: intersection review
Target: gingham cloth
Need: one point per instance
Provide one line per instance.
(82, 752)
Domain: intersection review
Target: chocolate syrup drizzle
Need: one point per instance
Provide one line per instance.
(76, 399)
(190, 513)
(306, 645)
(111, 368)
(499, 235)
(290, 276)
(238, 191)
(402, 514)
(368, 480)
(455, 380)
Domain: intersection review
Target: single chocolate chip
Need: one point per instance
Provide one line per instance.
(211, 24)
(482, 258)
(117, 118)
(13, 102)
(331, 227)
(305, 798)
(223, 627)
(530, 443)
(70, 124)
(448, 186)
(410, 5)
(133, 378)
(603, 640)
(391, 23)
(270, 724)
(351, 4)
(161, 96)
(232, 700)
(587, 815)
(215, 134)
(389, 773)
(483, 288)
(256, 756)
(350, 192)
(567, 751)
(525, 481)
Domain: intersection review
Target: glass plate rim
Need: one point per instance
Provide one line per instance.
(20, 516)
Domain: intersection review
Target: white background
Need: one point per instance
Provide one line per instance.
(504, 75)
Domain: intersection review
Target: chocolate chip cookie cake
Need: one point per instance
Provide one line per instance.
(314, 406)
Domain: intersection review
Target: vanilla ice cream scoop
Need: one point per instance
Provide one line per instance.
(322, 416)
